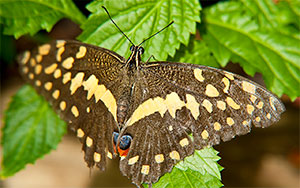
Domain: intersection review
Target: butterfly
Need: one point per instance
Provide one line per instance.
(144, 112)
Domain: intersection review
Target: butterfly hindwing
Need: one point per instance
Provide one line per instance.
(76, 79)
(178, 100)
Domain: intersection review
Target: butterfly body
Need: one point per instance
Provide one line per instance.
(145, 112)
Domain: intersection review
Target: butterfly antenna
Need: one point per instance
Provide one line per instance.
(156, 33)
(116, 25)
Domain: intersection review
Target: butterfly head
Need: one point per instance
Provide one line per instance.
(135, 56)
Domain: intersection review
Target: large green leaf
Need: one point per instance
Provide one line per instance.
(138, 20)
(31, 130)
(196, 53)
(235, 33)
(20, 17)
(198, 170)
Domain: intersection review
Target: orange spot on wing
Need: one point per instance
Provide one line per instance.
(123, 153)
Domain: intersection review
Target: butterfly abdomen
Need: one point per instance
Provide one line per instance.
(122, 109)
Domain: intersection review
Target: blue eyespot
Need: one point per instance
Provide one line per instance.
(125, 142)
(115, 137)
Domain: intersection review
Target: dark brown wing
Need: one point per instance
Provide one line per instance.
(177, 99)
(81, 82)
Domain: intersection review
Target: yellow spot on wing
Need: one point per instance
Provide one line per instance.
(248, 87)
(38, 69)
(32, 62)
(150, 106)
(231, 103)
(62, 105)
(76, 82)
(55, 94)
(198, 75)
(38, 83)
(272, 100)
(204, 134)
(68, 63)
(260, 105)
(100, 90)
(75, 111)
(25, 70)
(97, 157)
(81, 53)
(50, 69)
(145, 169)
(31, 76)
(133, 160)
(228, 75)
(80, 133)
(226, 83)
(57, 73)
(250, 109)
(44, 49)
(257, 119)
(88, 109)
(207, 105)
(110, 103)
(59, 52)
(25, 58)
(161, 107)
(253, 98)
(184, 142)
(269, 116)
(38, 58)
(48, 85)
(245, 123)
(192, 105)
(90, 85)
(66, 78)
(221, 105)
(159, 158)
(89, 141)
(60, 43)
(230, 121)
(109, 155)
(211, 91)
(174, 155)
(173, 103)
(217, 126)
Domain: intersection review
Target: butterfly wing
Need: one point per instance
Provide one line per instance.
(177, 100)
(78, 80)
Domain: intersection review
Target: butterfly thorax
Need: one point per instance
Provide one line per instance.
(129, 79)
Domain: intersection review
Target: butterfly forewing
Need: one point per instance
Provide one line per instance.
(169, 109)
(78, 80)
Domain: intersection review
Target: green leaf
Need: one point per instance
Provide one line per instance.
(196, 53)
(199, 170)
(139, 20)
(235, 34)
(31, 130)
(283, 15)
(20, 17)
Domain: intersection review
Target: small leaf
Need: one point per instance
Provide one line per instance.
(199, 170)
(20, 17)
(233, 33)
(139, 20)
(196, 53)
(31, 130)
